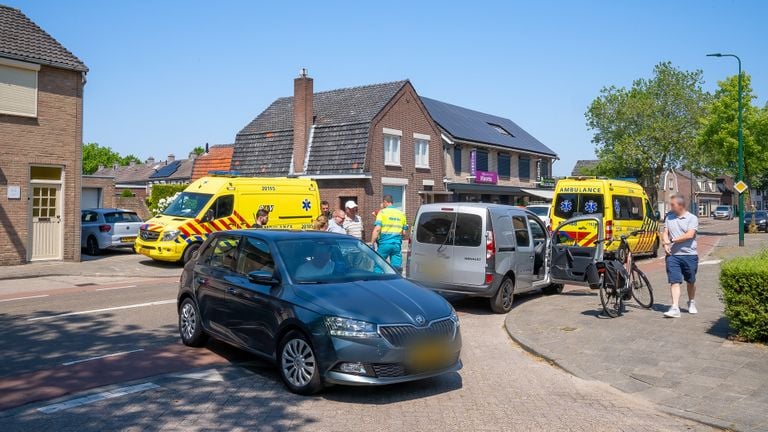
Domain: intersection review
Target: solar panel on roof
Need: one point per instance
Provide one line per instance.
(167, 170)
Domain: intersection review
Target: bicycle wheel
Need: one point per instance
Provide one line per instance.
(642, 291)
(611, 300)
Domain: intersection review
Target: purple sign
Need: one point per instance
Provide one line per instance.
(473, 162)
(486, 177)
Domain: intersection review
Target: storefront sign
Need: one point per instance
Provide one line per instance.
(547, 182)
(473, 162)
(486, 177)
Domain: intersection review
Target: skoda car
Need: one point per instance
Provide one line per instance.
(325, 308)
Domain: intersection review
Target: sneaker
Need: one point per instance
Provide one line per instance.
(673, 312)
(692, 307)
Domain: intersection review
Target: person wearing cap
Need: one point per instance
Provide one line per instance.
(353, 223)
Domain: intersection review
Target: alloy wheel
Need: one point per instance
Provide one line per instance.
(507, 294)
(188, 321)
(298, 362)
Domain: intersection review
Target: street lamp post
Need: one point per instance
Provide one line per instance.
(741, 150)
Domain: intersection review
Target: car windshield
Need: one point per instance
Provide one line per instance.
(332, 260)
(722, 208)
(539, 211)
(187, 204)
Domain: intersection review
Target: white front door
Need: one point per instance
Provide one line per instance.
(46, 222)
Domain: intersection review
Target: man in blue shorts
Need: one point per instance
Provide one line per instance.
(679, 238)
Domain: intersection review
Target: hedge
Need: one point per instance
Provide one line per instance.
(744, 283)
(160, 191)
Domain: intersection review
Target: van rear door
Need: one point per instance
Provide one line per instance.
(431, 258)
(469, 247)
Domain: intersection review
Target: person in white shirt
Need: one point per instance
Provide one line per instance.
(319, 266)
(336, 223)
(353, 224)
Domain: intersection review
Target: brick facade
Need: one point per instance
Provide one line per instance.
(107, 186)
(52, 138)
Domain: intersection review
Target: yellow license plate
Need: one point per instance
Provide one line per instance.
(127, 239)
(430, 356)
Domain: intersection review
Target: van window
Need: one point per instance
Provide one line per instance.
(522, 237)
(649, 212)
(570, 205)
(537, 230)
(188, 204)
(627, 207)
(223, 206)
(434, 227)
(469, 230)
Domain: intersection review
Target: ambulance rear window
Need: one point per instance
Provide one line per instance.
(570, 204)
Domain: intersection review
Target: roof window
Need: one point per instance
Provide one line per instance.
(500, 129)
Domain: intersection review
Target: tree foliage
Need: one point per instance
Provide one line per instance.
(95, 155)
(718, 141)
(643, 130)
(198, 150)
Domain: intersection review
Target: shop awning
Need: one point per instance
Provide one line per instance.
(480, 188)
(435, 193)
(547, 194)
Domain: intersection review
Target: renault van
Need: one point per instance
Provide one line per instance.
(623, 206)
(225, 202)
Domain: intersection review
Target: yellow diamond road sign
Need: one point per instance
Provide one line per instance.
(740, 187)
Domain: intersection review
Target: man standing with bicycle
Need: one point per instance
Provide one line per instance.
(682, 259)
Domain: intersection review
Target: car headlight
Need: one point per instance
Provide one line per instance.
(455, 317)
(350, 328)
(170, 235)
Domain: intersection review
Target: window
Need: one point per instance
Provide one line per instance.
(391, 150)
(504, 166)
(187, 204)
(649, 211)
(422, 153)
(397, 193)
(255, 256)
(570, 205)
(469, 230)
(222, 253)
(500, 129)
(18, 88)
(89, 216)
(434, 227)
(627, 207)
(522, 236)
(118, 217)
(524, 168)
(481, 160)
(457, 160)
(545, 168)
(45, 173)
(537, 231)
(223, 206)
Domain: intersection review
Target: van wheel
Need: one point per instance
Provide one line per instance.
(189, 252)
(501, 302)
(655, 251)
(553, 289)
(92, 246)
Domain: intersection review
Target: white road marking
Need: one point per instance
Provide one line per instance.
(116, 288)
(24, 298)
(69, 363)
(155, 303)
(711, 262)
(72, 403)
(204, 375)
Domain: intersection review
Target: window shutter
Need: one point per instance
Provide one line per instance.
(482, 160)
(18, 91)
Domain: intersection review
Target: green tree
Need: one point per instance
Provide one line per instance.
(95, 155)
(198, 150)
(718, 140)
(643, 130)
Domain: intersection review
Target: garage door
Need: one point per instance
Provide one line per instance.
(90, 198)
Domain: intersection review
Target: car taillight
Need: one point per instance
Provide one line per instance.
(104, 228)
(488, 278)
(609, 229)
(490, 245)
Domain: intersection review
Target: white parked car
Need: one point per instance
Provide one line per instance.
(542, 211)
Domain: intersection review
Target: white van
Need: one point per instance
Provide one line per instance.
(494, 251)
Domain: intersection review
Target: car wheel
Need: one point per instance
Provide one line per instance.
(655, 251)
(92, 246)
(298, 364)
(502, 301)
(189, 252)
(553, 289)
(190, 327)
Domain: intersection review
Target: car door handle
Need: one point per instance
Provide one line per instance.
(201, 280)
(231, 290)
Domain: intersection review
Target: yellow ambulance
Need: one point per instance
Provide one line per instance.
(623, 205)
(226, 202)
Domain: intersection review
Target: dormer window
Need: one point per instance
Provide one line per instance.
(500, 129)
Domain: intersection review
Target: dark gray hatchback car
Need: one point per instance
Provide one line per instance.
(324, 307)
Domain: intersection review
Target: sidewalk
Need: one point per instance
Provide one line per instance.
(688, 366)
(111, 264)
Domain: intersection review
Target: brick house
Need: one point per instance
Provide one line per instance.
(490, 158)
(41, 122)
(703, 192)
(358, 143)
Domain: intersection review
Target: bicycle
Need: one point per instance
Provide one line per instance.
(620, 281)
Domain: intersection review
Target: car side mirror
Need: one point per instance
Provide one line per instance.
(657, 215)
(260, 277)
(209, 215)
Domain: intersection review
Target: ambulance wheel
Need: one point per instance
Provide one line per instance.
(189, 252)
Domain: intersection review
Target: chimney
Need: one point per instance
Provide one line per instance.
(132, 163)
(171, 158)
(150, 160)
(101, 167)
(302, 119)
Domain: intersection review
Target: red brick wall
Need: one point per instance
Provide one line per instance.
(54, 137)
(107, 186)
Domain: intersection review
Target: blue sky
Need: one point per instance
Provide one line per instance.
(168, 76)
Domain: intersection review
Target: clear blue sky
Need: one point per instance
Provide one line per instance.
(167, 76)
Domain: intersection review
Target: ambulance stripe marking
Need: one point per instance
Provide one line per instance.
(193, 228)
(204, 227)
(216, 226)
(233, 222)
(242, 220)
(184, 231)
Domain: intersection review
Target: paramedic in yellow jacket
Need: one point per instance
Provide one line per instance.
(389, 230)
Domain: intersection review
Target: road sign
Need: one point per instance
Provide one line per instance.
(740, 187)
